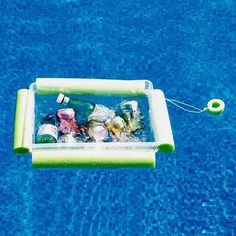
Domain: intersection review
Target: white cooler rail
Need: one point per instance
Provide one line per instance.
(92, 86)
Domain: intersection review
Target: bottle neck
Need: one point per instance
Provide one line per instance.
(80, 106)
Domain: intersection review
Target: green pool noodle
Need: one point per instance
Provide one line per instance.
(29, 120)
(67, 158)
(20, 116)
(160, 121)
(92, 86)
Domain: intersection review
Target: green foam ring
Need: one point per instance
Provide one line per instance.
(20, 115)
(215, 106)
(67, 158)
(46, 86)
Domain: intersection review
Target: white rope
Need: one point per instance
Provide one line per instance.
(194, 109)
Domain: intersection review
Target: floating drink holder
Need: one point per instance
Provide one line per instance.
(112, 154)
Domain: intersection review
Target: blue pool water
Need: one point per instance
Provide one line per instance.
(186, 48)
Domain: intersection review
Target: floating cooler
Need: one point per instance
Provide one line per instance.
(89, 155)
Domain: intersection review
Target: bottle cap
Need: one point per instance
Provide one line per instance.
(60, 98)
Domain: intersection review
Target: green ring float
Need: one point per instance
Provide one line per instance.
(215, 106)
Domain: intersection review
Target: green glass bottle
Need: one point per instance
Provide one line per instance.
(92, 111)
(47, 132)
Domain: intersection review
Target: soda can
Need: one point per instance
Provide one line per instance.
(66, 114)
(47, 133)
(67, 138)
(116, 125)
(98, 131)
(67, 121)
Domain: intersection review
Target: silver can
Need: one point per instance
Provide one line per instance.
(98, 131)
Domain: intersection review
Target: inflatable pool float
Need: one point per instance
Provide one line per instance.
(92, 154)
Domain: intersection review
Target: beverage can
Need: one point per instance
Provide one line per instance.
(47, 133)
(66, 114)
(116, 125)
(97, 131)
(67, 121)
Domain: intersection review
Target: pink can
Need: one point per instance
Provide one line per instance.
(67, 123)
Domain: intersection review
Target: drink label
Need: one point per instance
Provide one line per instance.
(101, 114)
(48, 129)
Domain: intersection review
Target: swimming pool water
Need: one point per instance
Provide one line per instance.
(187, 49)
